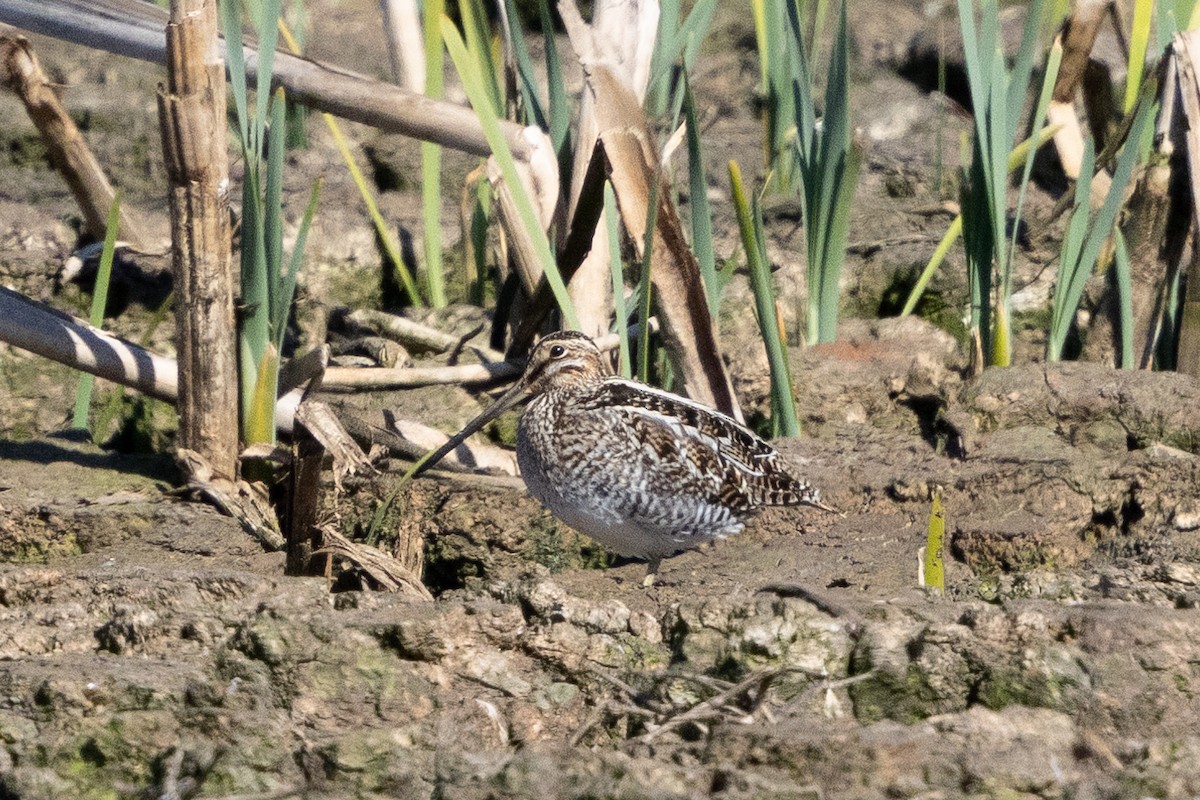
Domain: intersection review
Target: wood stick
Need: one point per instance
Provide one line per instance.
(21, 72)
(301, 507)
(192, 112)
(379, 378)
(413, 335)
(133, 28)
(60, 337)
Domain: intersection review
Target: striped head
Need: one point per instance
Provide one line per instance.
(562, 360)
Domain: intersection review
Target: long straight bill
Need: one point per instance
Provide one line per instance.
(506, 401)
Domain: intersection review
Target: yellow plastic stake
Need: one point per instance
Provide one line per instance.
(935, 571)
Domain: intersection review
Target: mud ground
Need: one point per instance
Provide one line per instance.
(149, 648)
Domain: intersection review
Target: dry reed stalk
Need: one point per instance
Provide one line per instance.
(21, 72)
(347, 378)
(60, 337)
(413, 335)
(621, 36)
(1078, 38)
(49, 333)
(192, 114)
(298, 519)
(402, 27)
(134, 28)
(1185, 54)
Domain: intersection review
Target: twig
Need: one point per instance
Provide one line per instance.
(714, 705)
(626, 689)
(486, 353)
(796, 590)
(414, 335)
(245, 502)
(471, 455)
(828, 685)
(324, 426)
(344, 378)
(384, 570)
(592, 721)
(306, 369)
(68, 150)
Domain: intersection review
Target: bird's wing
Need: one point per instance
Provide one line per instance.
(751, 471)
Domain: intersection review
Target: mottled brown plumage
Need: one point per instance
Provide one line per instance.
(642, 471)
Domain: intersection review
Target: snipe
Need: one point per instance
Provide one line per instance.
(644, 472)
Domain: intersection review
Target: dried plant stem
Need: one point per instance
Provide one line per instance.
(31, 326)
(1188, 359)
(301, 507)
(70, 153)
(410, 378)
(402, 25)
(192, 114)
(411, 333)
(60, 337)
(133, 28)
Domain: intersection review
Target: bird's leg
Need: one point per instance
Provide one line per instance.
(651, 572)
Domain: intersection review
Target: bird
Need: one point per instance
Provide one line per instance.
(644, 472)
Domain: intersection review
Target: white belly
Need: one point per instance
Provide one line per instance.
(608, 507)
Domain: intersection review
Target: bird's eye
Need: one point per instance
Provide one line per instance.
(558, 351)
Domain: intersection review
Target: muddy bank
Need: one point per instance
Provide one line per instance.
(155, 649)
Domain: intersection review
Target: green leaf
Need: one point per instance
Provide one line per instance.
(698, 206)
(231, 28)
(288, 285)
(273, 214)
(535, 114)
(1086, 233)
(560, 105)
(1138, 45)
(473, 84)
(83, 394)
(431, 165)
(479, 46)
(934, 564)
(268, 35)
(260, 418)
(612, 220)
(750, 225)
